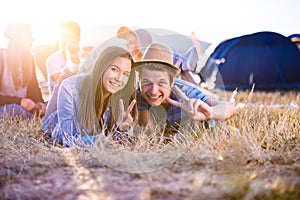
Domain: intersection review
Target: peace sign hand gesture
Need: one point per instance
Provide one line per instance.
(125, 119)
(198, 109)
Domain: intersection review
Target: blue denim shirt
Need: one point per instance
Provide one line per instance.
(61, 114)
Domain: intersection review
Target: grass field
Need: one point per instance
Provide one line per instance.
(254, 155)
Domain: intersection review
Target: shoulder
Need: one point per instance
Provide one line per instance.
(73, 81)
(69, 89)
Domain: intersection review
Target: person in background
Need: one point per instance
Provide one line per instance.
(137, 40)
(20, 94)
(66, 60)
(295, 38)
(188, 63)
(101, 100)
(168, 102)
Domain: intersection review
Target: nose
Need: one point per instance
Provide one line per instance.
(154, 88)
(119, 77)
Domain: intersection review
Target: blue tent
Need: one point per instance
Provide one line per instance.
(268, 59)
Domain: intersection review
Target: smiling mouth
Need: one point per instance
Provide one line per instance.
(154, 98)
(116, 85)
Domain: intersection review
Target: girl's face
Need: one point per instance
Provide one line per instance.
(116, 75)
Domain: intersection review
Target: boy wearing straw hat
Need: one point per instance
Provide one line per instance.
(167, 101)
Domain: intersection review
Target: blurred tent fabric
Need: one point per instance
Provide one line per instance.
(268, 59)
(179, 42)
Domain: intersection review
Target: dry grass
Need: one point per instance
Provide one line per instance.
(254, 155)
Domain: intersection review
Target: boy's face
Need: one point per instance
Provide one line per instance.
(155, 86)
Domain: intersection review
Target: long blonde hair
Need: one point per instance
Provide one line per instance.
(92, 102)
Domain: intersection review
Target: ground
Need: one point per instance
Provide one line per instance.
(254, 155)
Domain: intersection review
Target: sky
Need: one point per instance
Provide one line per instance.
(211, 20)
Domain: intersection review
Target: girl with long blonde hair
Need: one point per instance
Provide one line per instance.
(93, 102)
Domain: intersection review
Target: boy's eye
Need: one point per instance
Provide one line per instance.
(162, 83)
(146, 83)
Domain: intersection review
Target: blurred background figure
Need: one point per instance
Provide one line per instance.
(137, 41)
(41, 53)
(65, 61)
(19, 90)
(296, 39)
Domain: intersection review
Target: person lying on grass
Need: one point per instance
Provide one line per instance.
(167, 101)
(86, 105)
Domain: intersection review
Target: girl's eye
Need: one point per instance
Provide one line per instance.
(127, 74)
(114, 69)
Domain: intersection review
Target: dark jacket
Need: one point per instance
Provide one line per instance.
(33, 91)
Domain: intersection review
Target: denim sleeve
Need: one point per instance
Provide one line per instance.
(66, 130)
(191, 90)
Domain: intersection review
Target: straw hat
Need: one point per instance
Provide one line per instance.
(157, 53)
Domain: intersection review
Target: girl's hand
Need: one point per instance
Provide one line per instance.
(125, 119)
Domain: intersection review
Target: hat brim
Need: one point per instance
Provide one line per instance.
(138, 64)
